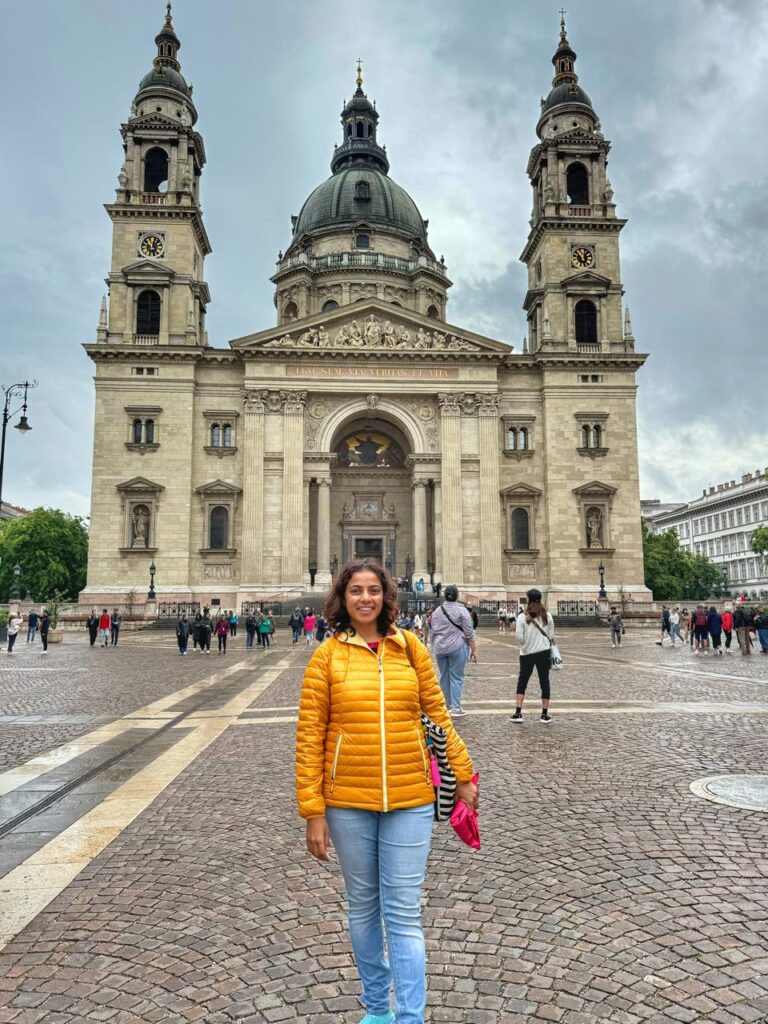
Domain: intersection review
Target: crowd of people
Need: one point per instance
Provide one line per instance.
(709, 631)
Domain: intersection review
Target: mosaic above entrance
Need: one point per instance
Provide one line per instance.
(370, 450)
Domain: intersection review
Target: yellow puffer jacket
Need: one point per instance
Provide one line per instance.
(359, 741)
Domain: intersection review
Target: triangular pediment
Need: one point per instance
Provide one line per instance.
(595, 489)
(371, 325)
(521, 490)
(219, 487)
(147, 268)
(157, 122)
(141, 485)
(587, 278)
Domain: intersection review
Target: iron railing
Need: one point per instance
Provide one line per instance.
(578, 609)
(176, 609)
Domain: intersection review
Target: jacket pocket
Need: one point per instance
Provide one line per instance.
(335, 764)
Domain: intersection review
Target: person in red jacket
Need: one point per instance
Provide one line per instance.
(105, 627)
(727, 628)
(222, 632)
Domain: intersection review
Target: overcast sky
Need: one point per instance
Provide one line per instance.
(679, 86)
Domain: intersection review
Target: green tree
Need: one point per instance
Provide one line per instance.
(672, 573)
(760, 541)
(52, 549)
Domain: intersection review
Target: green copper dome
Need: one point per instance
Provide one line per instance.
(343, 200)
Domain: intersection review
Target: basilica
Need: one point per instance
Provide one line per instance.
(364, 422)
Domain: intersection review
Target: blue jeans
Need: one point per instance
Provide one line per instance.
(762, 635)
(451, 669)
(249, 638)
(31, 630)
(383, 857)
(674, 632)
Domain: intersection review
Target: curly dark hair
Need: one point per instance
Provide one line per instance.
(335, 606)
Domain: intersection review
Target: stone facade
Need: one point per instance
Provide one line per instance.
(363, 423)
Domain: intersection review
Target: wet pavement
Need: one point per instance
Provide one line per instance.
(152, 866)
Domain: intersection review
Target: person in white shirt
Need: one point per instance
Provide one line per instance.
(14, 625)
(674, 626)
(535, 630)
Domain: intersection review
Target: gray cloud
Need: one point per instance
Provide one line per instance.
(679, 88)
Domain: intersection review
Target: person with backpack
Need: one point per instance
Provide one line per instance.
(296, 623)
(535, 630)
(617, 627)
(715, 626)
(453, 642)
(700, 630)
(727, 617)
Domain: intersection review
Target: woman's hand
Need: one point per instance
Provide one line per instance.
(318, 838)
(468, 792)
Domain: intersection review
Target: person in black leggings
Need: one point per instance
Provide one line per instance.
(535, 629)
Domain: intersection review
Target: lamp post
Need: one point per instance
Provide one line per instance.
(601, 569)
(15, 390)
(152, 571)
(15, 589)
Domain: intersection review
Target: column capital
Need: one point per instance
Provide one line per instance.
(293, 401)
(323, 481)
(255, 400)
(418, 483)
(449, 403)
(489, 405)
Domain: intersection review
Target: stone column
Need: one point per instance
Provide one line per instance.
(323, 578)
(305, 532)
(420, 530)
(254, 402)
(450, 411)
(293, 485)
(437, 503)
(490, 520)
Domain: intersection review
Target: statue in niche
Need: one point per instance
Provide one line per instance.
(122, 177)
(139, 526)
(186, 180)
(608, 193)
(549, 194)
(594, 528)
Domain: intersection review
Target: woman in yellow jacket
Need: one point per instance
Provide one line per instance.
(363, 781)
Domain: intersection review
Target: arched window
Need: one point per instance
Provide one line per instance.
(512, 439)
(218, 528)
(156, 170)
(215, 435)
(577, 184)
(226, 435)
(433, 312)
(148, 312)
(586, 436)
(523, 439)
(597, 436)
(149, 432)
(363, 242)
(349, 131)
(360, 130)
(291, 312)
(585, 316)
(138, 427)
(520, 533)
(362, 189)
(330, 305)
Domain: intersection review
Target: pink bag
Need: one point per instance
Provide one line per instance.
(465, 823)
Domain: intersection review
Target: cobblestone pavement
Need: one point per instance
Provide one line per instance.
(173, 885)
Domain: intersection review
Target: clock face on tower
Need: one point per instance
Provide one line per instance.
(152, 246)
(582, 257)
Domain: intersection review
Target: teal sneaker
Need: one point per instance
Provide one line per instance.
(371, 1018)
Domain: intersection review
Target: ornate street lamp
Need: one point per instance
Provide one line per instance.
(15, 390)
(16, 589)
(152, 571)
(601, 570)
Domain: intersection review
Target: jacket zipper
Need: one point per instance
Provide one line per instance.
(379, 658)
(423, 756)
(335, 761)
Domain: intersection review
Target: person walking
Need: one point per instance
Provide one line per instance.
(617, 627)
(309, 625)
(453, 642)
(205, 630)
(264, 630)
(271, 617)
(45, 625)
(363, 781)
(296, 622)
(222, 632)
(182, 633)
(105, 627)
(761, 625)
(32, 624)
(727, 617)
(715, 627)
(234, 618)
(321, 628)
(502, 617)
(685, 622)
(92, 625)
(196, 645)
(700, 630)
(535, 630)
(250, 630)
(741, 625)
(674, 627)
(14, 625)
(666, 626)
(116, 623)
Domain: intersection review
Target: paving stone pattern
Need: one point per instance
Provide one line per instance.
(604, 891)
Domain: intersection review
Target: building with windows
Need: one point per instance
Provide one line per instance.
(364, 422)
(720, 525)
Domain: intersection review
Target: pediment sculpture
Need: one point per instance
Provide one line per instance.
(374, 333)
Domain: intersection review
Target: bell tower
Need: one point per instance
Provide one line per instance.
(157, 291)
(574, 298)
